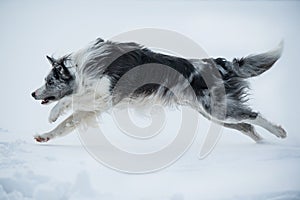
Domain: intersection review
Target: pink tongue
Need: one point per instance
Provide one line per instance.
(45, 101)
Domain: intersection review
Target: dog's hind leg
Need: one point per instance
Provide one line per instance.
(246, 129)
(259, 120)
(65, 127)
(245, 115)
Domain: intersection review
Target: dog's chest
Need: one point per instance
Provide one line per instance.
(94, 96)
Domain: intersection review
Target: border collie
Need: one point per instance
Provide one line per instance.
(89, 81)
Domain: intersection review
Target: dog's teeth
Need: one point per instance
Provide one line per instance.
(44, 101)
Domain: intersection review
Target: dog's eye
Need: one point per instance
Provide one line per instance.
(50, 82)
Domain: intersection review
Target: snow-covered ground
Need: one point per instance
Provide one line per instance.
(62, 169)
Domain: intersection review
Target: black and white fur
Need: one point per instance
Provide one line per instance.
(86, 80)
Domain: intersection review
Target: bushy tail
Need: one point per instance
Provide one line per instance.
(254, 65)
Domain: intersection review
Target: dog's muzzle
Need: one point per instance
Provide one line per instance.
(44, 100)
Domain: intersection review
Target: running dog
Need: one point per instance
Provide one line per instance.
(105, 73)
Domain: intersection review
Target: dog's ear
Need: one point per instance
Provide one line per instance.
(51, 60)
(63, 71)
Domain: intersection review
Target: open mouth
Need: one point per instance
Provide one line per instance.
(46, 100)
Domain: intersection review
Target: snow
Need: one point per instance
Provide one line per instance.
(62, 169)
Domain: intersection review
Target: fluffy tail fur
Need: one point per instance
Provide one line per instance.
(254, 65)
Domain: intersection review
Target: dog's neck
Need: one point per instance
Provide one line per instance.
(73, 69)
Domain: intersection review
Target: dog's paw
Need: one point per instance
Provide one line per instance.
(54, 114)
(41, 138)
(280, 132)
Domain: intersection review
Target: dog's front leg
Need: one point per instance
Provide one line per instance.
(61, 106)
(65, 127)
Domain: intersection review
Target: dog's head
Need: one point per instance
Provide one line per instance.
(58, 83)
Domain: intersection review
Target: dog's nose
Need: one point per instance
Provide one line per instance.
(33, 94)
